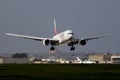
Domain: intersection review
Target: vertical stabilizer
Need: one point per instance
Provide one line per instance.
(78, 59)
(55, 28)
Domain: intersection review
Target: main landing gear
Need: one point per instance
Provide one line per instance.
(72, 48)
(52, 48)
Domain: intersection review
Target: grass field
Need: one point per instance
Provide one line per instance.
(59, 71)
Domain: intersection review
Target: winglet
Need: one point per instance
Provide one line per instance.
(13, 34)
(9, 34)
(55, 28)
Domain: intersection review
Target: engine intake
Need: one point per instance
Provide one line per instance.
(46, 42)
(83, 42)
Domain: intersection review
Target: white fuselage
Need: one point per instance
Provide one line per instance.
(64, 36)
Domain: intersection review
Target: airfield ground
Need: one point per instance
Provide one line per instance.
(59, 71)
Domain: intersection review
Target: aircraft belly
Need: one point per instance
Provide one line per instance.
(63, 41)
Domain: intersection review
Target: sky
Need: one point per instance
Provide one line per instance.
(85, 18)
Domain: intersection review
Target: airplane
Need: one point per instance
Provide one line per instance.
(65, 37)
(85, 62)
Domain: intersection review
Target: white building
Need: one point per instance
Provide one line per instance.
(115, 58)
(1, 60)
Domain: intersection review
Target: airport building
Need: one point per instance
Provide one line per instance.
(10, 60)
(100, 58)
(115, 58)
(105, 58)
(50, 61)
(1, 60)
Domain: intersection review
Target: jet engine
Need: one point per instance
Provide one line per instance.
(83, 42)
(46, 42)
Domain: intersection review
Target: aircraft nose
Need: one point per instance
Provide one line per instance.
(70, 34)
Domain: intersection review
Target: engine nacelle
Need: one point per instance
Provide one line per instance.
(46, 42)
(83, 42)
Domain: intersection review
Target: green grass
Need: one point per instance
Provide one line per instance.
(59, 71)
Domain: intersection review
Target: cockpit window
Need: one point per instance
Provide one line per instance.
(70, 33)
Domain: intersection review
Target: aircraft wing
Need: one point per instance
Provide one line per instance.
(31, 37)
(83, 40)
(96, 37)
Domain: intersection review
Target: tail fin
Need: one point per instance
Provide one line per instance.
(78, 59)
(55, 28)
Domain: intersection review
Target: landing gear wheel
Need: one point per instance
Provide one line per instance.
(52, 48)
(72, 48)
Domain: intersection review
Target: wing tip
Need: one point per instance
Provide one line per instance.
(7, 33)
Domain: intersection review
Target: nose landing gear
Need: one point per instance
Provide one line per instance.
(72, 48)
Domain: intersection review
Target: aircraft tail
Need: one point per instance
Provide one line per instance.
(55, 28)
(78, 59)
